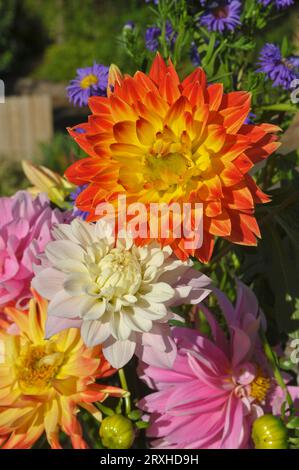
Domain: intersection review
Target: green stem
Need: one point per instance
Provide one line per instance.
(277, 374)
(104, 409)
(124, 385)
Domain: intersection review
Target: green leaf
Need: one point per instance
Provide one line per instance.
(293, 423)
(285, 46)
(134, 415)
(280, 107)
(142, 424)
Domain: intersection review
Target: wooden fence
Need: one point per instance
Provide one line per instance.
(25, 122)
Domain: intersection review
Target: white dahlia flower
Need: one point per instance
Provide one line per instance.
(119, 294)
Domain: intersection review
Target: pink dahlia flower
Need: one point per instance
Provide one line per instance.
(216, 388)
(25, 230)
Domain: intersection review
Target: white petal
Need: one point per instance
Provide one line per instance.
(63, 232)
(149, 274)
(77, 283)
(118, 353)
(94, 332)
(55, 325)
(71, 266)
(64, 305)
(131, 299)
(105, 230)
(48, 282)
(124, 240)
(64, 250)
(119, 328)
(83, 231)
(157, 259)
(96, 311)
(172, 271)
(159, 292)
(137, 322)
(183, 291)
(153, 312)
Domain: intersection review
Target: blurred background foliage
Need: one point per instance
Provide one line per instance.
(54, 37)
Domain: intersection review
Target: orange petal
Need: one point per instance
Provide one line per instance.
(125, 131)
(215, 93)
(220, 225)
(145, 131)
(158, 69)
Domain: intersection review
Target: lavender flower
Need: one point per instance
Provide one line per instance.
(170, 34)
(90, 81)
(222, 15)
(77, 212)
(280, 70)
(194, 55)
(153, 33)
(278, 3)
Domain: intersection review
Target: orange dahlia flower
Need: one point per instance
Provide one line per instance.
(157, 139)
(43, 382)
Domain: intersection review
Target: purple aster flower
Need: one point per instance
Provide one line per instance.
(154, 1)
(281, 71)
(90, 81)
(278, 3)
(294, 60)
(170, 34)
(194, 55)
(222, 15)
(77, 212)
(152, 35)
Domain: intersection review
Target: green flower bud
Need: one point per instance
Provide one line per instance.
(269, 432)
(117, 432)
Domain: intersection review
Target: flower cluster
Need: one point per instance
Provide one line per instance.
(111, 272)
(217, 387)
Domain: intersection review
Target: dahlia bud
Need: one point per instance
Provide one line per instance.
(269, 432)
(47, 181)
(117, 432)
(114, 76)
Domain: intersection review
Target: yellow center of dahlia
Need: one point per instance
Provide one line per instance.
(37, 366)
(259, 387)
(88, 81)
(173, 165)
(120, 273)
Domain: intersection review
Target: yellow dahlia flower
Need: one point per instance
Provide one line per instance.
(44, 382)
